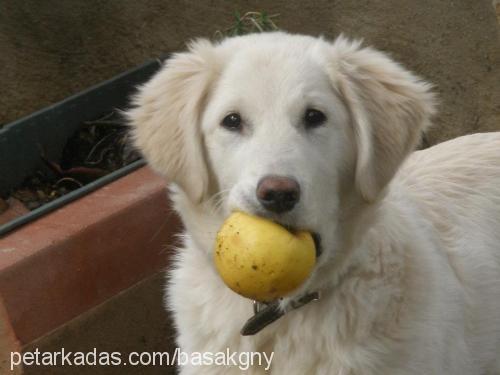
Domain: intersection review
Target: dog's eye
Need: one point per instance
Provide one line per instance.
(314, 118)
(232, 122)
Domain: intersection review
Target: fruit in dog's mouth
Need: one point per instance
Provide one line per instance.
(260, 259)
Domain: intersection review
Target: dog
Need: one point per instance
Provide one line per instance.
(408, 277)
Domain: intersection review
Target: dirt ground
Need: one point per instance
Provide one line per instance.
(132, 321)
(51, 49)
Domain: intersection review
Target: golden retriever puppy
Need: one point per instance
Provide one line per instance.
(409, 269)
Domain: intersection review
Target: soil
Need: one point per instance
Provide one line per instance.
(99, 147)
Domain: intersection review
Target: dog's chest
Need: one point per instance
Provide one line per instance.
(317, 338)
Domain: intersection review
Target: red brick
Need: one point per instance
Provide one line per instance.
(72, 259)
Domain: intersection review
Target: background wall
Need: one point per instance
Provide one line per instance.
(54, 48)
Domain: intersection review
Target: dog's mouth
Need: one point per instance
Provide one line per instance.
(316, 238)
(317, 243)
(286, 223)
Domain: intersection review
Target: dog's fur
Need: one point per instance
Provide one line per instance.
(410, 269)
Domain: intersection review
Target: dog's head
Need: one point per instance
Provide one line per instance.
(293, 128)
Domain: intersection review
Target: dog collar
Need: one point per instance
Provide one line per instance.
(266, 313)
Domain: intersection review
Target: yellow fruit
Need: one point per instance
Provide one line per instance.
(260, 259)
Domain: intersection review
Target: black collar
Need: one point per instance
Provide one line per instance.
(266, 313)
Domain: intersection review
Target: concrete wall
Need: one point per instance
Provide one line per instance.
(53, 48)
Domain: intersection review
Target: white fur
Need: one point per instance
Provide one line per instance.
(410, 273)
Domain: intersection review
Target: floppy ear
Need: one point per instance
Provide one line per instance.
(389, 108)
(166, 114)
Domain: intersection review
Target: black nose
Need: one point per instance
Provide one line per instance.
(277, 193)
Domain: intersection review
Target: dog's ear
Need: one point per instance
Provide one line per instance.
(166, 114)
(389, 108)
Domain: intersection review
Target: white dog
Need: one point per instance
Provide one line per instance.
(315, 135)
